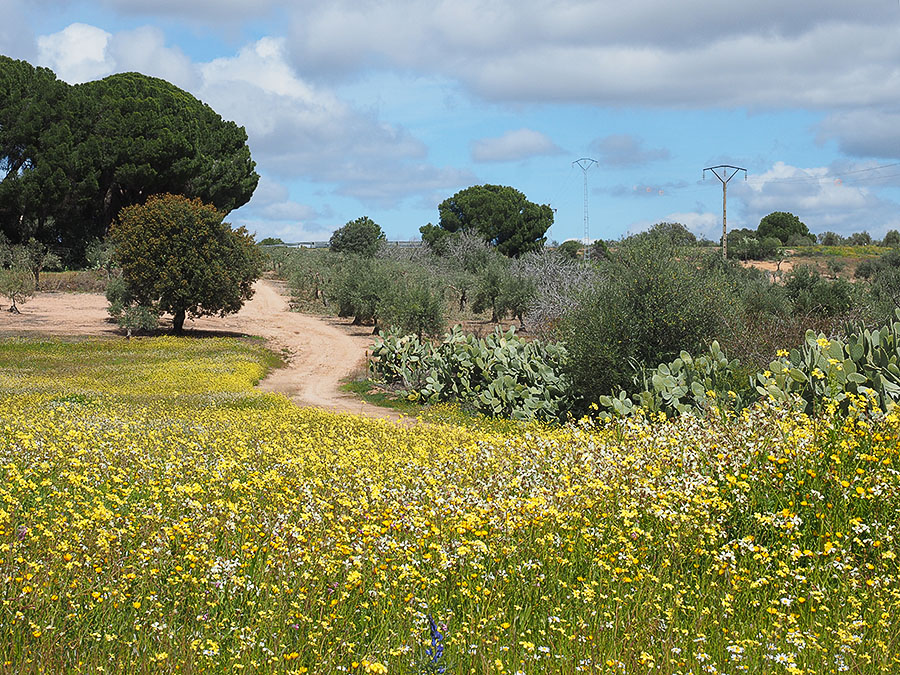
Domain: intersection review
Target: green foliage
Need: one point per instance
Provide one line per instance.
(570, 248)
(500, 214)
(685, 385)
(177, 255)
(860, 239)
(151, 137)
(865, 363)
(782, 226)
(138, 318)
(100, 255)
(16, 284)
(72, 157)
(415, 305)
(830, 239)
(131, 316)
(650, 304)
(500, 375)
(271, 241)
(436, 238)
(812, 294)
(362, 236)
(38, 167)
(359, 287)
(490, 283)
(673, 234)
(745, 244)
(600, 251)
(891, 238)
(883, 274)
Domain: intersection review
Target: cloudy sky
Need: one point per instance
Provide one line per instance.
(386, 107)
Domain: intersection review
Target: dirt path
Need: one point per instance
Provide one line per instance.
(320, 351)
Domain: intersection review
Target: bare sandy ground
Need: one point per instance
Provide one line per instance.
(320, 352)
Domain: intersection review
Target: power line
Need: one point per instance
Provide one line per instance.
(724, 178)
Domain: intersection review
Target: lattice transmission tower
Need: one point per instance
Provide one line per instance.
(584, 164)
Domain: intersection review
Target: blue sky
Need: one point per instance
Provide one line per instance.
(386, 107)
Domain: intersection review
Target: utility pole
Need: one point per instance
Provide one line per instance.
(584, 164)
(724, 168)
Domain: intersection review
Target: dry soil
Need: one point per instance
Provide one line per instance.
(319, 352)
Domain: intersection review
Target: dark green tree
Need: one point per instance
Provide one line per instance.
(860, 239)
(500, 214)
(362, 236)
(72, 157)
(570, 248)
(782, 226)
(149, 137)
(178, 256)
(37, 170)
(891, 238)
(830, 239)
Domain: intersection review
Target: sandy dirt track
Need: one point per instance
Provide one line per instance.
(320, 351)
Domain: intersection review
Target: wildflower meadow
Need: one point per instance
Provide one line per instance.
(159, 515)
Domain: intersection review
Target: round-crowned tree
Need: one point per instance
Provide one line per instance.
(178, 256)
(362, 236)
(781, 225)
(501, 215)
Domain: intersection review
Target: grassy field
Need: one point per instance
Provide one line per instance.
(157, 514)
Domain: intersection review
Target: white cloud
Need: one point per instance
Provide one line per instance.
(514, 146)
(625, 151)
(77, 53)
(143, 50)
(297, 129)
(80, 53)
(647, 52)
(820, 197)
(272, 213)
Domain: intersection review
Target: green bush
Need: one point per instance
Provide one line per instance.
(177, 255)
(359, 286)
(685, 385)
(810, 293)
(414, 304)
(651, 303)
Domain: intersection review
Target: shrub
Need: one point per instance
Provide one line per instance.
(650, 303)
(414, 305)
(810, 293)
(569, 248)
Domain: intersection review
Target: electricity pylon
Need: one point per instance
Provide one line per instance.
(586, 163)
(724, 168)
